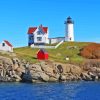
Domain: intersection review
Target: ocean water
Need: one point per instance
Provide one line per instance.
(50, 91)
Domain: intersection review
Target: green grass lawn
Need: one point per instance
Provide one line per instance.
(59, 54)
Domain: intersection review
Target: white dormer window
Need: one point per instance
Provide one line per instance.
(3, 44)
(39, 33)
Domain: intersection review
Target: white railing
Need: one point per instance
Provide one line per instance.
(47, 47)
(59, 44)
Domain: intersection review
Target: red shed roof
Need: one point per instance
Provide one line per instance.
(8, 43)
(32, 29)
(42, 50)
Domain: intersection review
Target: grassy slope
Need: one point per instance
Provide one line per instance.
(58, 54)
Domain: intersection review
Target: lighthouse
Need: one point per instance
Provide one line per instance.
(69, 29)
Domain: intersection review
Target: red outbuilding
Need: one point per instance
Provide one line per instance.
(42, 55)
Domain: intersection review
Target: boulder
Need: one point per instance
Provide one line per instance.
(35, 68)
(1, 65)
(3, 79)
(48, 69)
(94, 76)
(20, 70)
(85, 76)
(71, 77)
(17, 78)
(15, 66)
(62, 78)
(68, 68)
(44, 77)
(15, 60)
(75, 70)
(53, 79)
(6, 60)
(40, 76)
(98, 70)
(33, 75)
(98, 74)
(2, 72)
(63, 68)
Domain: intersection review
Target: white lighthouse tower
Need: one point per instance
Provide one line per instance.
(69, 29)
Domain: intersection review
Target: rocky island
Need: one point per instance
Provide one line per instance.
(14, 69)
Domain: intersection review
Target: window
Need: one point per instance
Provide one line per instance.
(39, 38)
(3, 44)
(39, 33)
(31, 37)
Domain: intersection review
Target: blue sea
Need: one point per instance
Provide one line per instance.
(50, 91)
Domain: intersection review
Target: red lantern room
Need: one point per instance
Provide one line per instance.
(42, 55)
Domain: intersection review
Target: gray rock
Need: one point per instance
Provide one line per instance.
(44, 77)
(62, 77)
(60, 68)
(53, 79)
(75, 70)
(93, 76)
(40, 76)
(35, 67)
(49, 70)
(26, 77)
(86, 77)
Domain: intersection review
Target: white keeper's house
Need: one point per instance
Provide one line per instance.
(39, 35)
(6, 46)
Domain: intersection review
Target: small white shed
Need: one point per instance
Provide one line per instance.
(6, 46)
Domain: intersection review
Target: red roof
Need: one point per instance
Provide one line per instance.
(32, 29)
(42, 50)
(45, 29)
(8, 43)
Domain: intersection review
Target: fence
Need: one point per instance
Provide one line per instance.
(47, 47)
(59, 44)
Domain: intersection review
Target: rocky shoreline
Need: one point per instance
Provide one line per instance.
(15, 70)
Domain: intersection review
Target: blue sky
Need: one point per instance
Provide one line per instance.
(16, 16)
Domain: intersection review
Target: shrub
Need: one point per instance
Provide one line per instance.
(91, 51)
